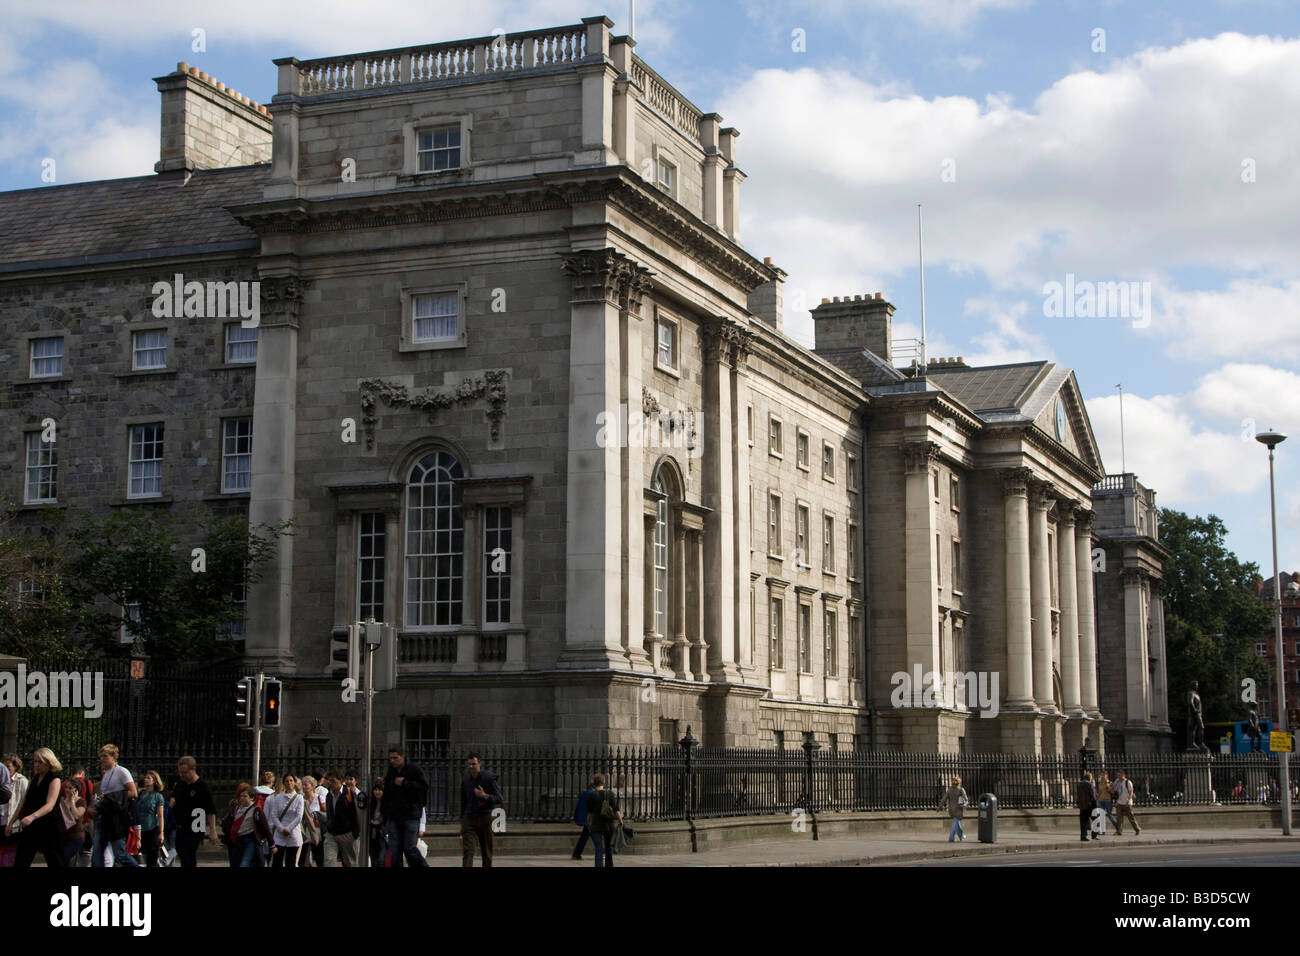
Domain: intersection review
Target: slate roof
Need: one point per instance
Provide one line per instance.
(864, 366)
(991, 388)
(122, 219)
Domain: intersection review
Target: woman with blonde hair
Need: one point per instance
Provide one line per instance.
(311, 820)
(955, 802)
(284, 816)
(41, 823)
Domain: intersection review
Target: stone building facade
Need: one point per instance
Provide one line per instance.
(528, 399)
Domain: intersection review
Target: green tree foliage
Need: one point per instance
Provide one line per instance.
(89, 566)
(1213, 618)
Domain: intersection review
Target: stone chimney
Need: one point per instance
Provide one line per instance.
(765, 301)
(860, 321)
(206, 125)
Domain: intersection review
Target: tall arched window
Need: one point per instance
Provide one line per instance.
(661, 558)
(435, 543)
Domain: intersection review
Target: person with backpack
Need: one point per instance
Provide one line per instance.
(1085, 798)
(1124, 797)
(955, 802)
(114, 810)
(479, 797)
(580, 820)
(603, 815)
(246, 833)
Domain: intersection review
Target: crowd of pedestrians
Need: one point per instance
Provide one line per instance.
(316, 819)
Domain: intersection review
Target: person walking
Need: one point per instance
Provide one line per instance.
(405, 790)
(580, 820)
(72, 805)
(40, 824)
(342, 824)
(1106, 797)
(149, 816)
(1124, 799)
(112, 812)
(193, 811)
(12, 809)
(6, 794)
(955, 802)
(284, 813)
(246, 829)
(603, 814)
(1085, 798)
(87, 788)
(479, 797)
(378, 832)
(313, 820)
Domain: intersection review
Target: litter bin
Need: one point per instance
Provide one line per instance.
(988, 818)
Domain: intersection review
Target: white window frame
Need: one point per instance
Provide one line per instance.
(830, 642)
(665, 159)
(136, 350)
(853, 570)
(802, 530)
(228, 344)
(776, 632)
(851, 479)
(132, 462)
(411, 131)
(775, 437)
(828, 543)
(409, 342)
(47, 457)
(803, 627)
(33, 358)
(665, 321)
(954, 491)
(802, 450)
(828, 449)
(774, 525)
(227, 456)
(749, 415)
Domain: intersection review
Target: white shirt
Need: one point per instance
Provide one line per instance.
(117, 778)
(318, 803)
(285, 810)
(1123, 792)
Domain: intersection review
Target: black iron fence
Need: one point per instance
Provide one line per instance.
(541, 784)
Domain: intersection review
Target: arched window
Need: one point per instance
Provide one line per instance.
(435, 543)
(661, 558)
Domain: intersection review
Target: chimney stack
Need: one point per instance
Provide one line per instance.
(862, 321)
(765, 301)
(207, 125)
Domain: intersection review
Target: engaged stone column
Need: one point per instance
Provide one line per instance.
(1065, 549)
(1087, 634)
(635, 477)
(1135, 648)
(271, 501)
(1041, 594)
(1015, 491)
(679, 574)
(922, 588)
(1160, 709)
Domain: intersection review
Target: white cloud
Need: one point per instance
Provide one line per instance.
(1006, 340)
(1253, 397)
(950, 15)
(1246, 319)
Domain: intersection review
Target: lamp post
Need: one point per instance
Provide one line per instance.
(1272, 439)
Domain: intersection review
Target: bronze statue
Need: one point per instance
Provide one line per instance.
(1195, 722)
(1253, 730)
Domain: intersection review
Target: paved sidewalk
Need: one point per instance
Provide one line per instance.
(856, 850)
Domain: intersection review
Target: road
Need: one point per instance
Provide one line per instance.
(1099, 854)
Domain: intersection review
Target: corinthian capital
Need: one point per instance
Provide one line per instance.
(917, 455)
(1040, 494)
(1015, 482)
(282, 299)
(724, 341)
(598, 274)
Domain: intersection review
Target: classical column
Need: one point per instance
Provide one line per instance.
(700, 646)
(679, 573)
(1065, 549)
(271, 500)
(1161, 689)
(1087, 633)
(632, 293)
(922, 576)
(1015, 515)
(1135, 649)
(594, 538)
(722, 343)
(742, 649)
(1040, 570)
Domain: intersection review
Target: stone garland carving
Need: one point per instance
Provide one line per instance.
(684, 418)
(492, 386)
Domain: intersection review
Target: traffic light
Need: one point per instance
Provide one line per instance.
(271, 702)
(386, 660)
(244, 702)
(346, 644)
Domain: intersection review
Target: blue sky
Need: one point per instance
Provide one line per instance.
(1171, 157)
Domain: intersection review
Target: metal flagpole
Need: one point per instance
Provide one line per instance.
(1123, 464)
(920, 243)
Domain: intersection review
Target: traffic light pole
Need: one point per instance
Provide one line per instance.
(255, 705)
(365, 769)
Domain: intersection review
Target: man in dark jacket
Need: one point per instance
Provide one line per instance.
(405, 790)
(479, 796)
(1086, 799)
(342, 822)
(580, 820)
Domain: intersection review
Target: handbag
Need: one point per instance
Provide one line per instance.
(133, 841)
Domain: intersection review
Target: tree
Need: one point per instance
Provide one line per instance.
(1213, 618)
(92, 567)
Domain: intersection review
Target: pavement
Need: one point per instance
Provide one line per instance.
(879, 848)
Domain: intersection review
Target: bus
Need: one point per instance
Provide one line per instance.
(1232, 737)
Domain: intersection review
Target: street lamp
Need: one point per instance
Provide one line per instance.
(1272, 439)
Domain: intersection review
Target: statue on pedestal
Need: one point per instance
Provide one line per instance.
(1195, 722)
(1253, 730)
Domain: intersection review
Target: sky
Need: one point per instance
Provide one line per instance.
(1154, 144)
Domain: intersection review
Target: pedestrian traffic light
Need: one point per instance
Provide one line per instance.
(271, 705)
(385, 669)
(346, 645)
(244, 702)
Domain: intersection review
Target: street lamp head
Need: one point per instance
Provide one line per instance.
(1270, 438)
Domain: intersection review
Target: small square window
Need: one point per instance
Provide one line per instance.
(46, 358)
(666, 344)
(828, 462)
(149, 350)
(241, 344)
(801, 450)
(435, 317)
(437, 148)
(667, 177)
(774, 444)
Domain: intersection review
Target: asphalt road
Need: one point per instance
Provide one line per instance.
(1100, 853)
